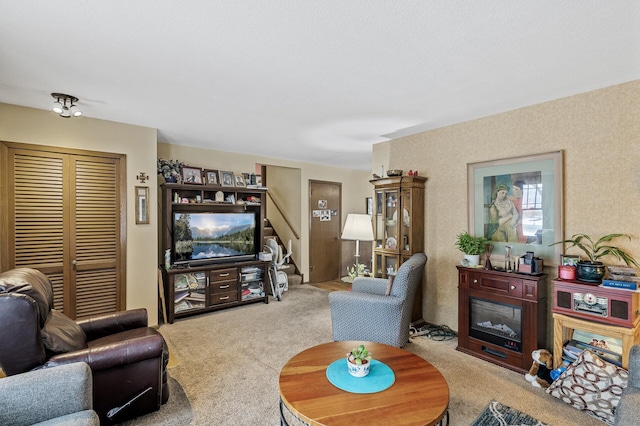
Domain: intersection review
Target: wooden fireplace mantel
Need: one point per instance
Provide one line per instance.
(528, 292)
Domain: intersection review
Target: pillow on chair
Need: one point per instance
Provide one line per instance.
(61, 334)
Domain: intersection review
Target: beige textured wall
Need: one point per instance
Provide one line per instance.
(355, 183)
(598, 131)
(35, 126)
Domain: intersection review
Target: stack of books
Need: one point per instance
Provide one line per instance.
(622, 277)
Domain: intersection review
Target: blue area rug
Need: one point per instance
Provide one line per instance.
(496, 414)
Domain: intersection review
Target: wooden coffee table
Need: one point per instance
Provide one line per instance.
(419, 395)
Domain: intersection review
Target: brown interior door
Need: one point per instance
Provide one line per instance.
(324, 230)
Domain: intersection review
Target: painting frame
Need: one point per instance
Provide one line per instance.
(483, 179)
(191, 175)
(142, 205)
(212, 177)
(227, 179)
(240, 182)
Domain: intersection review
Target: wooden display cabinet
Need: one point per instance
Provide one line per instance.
(502, 316)
(398, 227)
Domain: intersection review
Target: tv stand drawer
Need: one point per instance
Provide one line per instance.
(226, 274)
(217, 298)
(222, 287)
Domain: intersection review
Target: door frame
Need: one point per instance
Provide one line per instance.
(338, 218)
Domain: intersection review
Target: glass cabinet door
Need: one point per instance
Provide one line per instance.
(405, 227)
(189, 291)
(385, 265)
(391, 222)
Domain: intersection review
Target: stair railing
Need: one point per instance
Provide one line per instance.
(284, 216)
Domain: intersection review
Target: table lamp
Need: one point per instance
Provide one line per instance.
(358, 227)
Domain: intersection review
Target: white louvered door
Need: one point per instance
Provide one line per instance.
(65, 217)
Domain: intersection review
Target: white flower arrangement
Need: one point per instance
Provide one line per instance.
(169, 169)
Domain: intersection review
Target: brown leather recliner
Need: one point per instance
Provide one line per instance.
(128, 359)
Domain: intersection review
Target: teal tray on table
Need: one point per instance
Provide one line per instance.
(380, 377)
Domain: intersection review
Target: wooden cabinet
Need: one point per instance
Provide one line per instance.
(398, 225)
(501, 316)
(219, 283)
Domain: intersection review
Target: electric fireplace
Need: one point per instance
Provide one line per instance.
(502, 316)
(496, 322)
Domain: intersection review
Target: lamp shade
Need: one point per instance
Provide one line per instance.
(358, 227)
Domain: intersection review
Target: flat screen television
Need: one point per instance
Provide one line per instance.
(201, 237)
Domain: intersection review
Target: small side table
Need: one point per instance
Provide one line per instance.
(564, 325)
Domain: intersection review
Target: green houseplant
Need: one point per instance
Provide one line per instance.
(471, 246)
(358, 361)
(592, 270)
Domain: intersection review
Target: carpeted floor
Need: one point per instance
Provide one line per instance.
(226, 364)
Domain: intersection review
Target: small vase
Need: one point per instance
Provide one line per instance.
(358, 370)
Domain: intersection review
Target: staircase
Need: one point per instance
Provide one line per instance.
(292, 271)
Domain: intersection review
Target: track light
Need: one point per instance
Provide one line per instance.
(65, 105)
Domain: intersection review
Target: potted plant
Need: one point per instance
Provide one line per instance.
(592, 270)
(471, 246)
(358, 361)
(357, 270)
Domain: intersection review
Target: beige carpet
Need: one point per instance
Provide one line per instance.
(226, 366)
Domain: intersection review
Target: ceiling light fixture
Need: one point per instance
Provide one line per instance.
(65, 105)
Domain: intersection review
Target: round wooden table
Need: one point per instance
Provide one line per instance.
(419, 395)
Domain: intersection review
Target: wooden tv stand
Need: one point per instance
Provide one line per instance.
(195, 290)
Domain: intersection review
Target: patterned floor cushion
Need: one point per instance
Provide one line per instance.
(591, 385)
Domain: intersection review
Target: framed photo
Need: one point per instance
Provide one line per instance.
(142, 205)
(569, 260)
(192, 175)
(259, 180)
(240, 181)
(517, 202)
(226, 178)
(211, 177)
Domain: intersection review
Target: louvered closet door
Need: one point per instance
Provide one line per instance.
(65, 215)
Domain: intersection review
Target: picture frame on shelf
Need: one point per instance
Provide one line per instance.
(529, 185)
(212, 177)
(240, 181)
(191, 175)
(569, 259)
(259, 180)
(227, 179)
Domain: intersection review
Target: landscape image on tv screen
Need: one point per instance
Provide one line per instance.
(208, 236)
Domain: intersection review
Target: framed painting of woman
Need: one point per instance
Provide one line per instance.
(517, 202)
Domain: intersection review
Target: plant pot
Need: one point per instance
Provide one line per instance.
(358, 370)
(591, 272)
(471, 260)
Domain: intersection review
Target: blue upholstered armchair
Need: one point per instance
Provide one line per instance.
(367, 313)
(55, 396)
(628, 410)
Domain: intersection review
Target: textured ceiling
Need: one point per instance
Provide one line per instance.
(314, 81)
